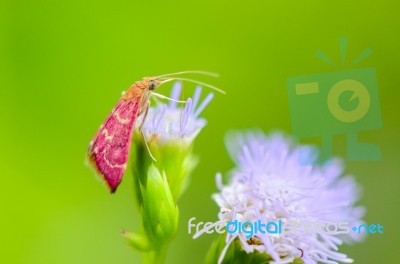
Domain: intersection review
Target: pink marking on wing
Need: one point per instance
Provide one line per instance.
(109, 151)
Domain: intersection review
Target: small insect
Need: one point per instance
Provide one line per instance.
(109, 150)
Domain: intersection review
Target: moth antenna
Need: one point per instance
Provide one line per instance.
(193, 81)
(212, 74)
(167, 98)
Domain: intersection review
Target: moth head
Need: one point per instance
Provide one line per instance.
(153, 83)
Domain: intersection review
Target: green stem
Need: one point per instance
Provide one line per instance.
(156, 256)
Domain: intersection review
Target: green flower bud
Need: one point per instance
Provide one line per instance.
(159, 211)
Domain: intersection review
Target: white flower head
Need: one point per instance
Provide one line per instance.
(270, 184)
(176, 121)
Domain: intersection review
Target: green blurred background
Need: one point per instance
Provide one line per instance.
(63, 65)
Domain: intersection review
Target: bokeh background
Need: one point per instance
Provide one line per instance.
(63, 65)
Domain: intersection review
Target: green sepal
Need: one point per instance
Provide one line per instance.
(175, 158)
(297, 261)
(235, 254)
(136, 240)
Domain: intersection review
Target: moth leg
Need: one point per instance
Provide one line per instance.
(147, 146)
(156, 100)
(146, 110)
(167, 98)
(145, 115)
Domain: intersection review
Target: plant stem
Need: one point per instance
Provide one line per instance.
(156, 256)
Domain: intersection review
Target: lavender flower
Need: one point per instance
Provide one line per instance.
(168, 122)
(270, 183)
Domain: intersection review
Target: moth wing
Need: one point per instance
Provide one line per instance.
(108, 152)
